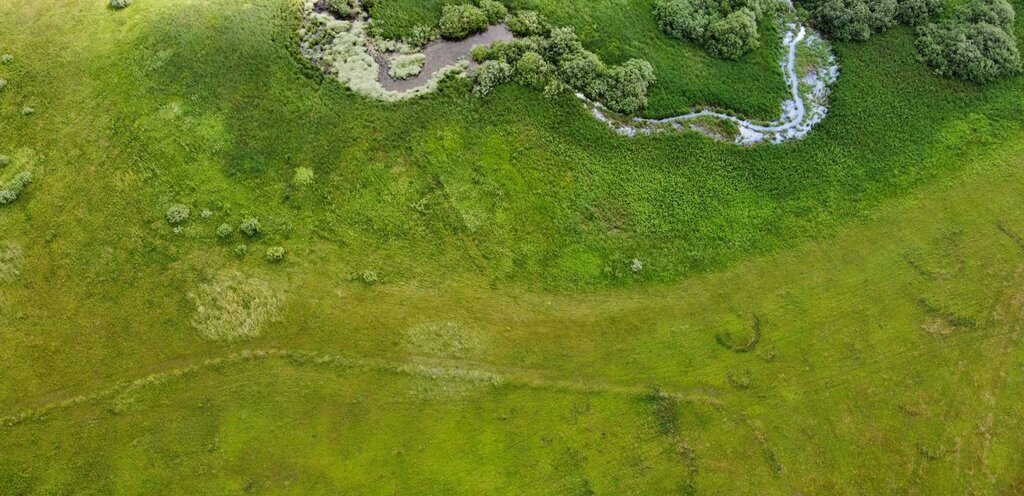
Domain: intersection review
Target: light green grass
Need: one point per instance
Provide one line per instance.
(508, 347)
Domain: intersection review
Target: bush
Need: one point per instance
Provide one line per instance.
(480, 53)
(275, 254)
(979, 52)
(7, 58)
(724, 30)
(119, 4)
(917, 12)
(855, 19)
(733, 35)
(341, 8)
(14, 187)
(528, 23)
(627, 85)
(241, 250)
(459, 21)
(490, 76)
(225, 231)
(406, 66)
(3, 84)
(26, 110)
(421, 35)
(177, 214)
(532, 70)
(494, 10)
(303, 176)
(998, 13)
(4, 160)
(251, 227)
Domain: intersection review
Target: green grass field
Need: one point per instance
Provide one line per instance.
(457, 311)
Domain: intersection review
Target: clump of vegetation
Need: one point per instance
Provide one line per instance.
(241, 251)
(342, 9)
(528, 23)
(4, 160)
(976, 45)
(369, 277)
(225, 231)
(459, 21)
(119, 4)
(495, 11)
(420, 35)
(6, 58)
(857, 20)
(251, 227)
(27, 110)
(14, 187)
(560, 59)
(233, 306)
(275, 254)
(3, 84)
(177, 214)
(303, 176)
(407, 65)
(725, 29)
(11, 260)
(479, 53)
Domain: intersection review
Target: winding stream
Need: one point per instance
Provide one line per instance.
(343, 48)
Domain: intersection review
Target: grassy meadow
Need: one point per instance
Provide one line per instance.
(459, 310)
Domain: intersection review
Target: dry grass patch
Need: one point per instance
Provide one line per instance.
(11, 261)
(233, 306)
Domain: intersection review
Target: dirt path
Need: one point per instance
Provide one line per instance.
(441, 54)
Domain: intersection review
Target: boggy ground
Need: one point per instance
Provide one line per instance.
(458, 311)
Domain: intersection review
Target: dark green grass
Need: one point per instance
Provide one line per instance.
(618, 31)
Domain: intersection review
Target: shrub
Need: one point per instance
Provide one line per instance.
(225, 231)
(241, 250)
(421, 35)
(370, 277)
(459, 21)
(627, 84)
(494, 10)
(303, 176)
(275, 254)
(724, 30)
(733, 35)
(528, 23)
(978, 52)
(3, 84)
(532, 70)
(853, 19)
(177, 214)
(119, 4)
(998, 13)
(7, 58)
(583, 71)
(490, 76)
(480, 53)
(407, 66)
(251, 227)
(341, 8)
(917, 12)
(4, 160)
(14, 187)
(26, 110)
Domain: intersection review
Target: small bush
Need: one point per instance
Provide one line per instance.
(275, 254)
(7, 58)
(206, 214)
(177, 214)
(480, 53)
(303, 176)
(459, 21)
(627, 85)
(251, 227)
(14, 187)
(370, 277)
(241, 251)
(421, 35)
(26, 110)
(119, 4)
(528, 23)
(3, 84)
(494, 10)
(532, 70)
(4, 160)
(225, 231)
(342, 9)
(490, 76)
(407, 66)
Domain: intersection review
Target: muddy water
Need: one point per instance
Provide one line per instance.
(441, 54)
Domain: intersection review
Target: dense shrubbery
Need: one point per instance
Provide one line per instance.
(859, 19)
(119, 4)
(976, 45)
(459, 21)
(726, 30)
(528, 23)
(421, 35)
(559, 60)
(495, 11)
(14, 187)
(342, 8)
